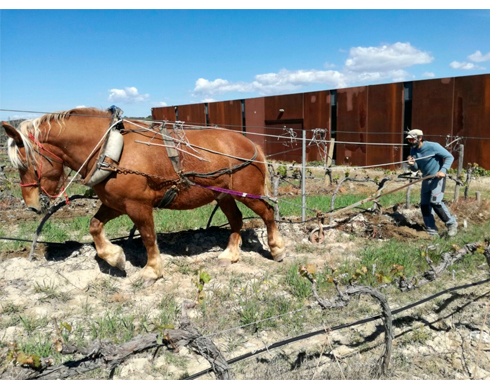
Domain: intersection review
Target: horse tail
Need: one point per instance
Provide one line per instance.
(267, 175)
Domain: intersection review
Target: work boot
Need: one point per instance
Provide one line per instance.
(452, 229)
(432, 232)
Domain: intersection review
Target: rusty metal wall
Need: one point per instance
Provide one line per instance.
(351, 126)
(255, 125)
(442, 108)
(284, 123)
(384, 125)
(432, 108)
(471, 118)
(192, 114)
(455, 107)
(227, 114)
(163, 113)
(317, 108)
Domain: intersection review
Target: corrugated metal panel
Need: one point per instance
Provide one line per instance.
(471, 118)
(163, 113)
(351, 126)
(292, 106)
(192, 114)
(284, 124)
(432, 108)
(317, 111)
(385, 124)
(255, 125)
(284, 144)
(227, 114)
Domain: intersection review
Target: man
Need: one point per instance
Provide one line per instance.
(432, 160)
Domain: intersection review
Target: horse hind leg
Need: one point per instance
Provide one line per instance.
(274, 237)
(228, 206)
(110, 253)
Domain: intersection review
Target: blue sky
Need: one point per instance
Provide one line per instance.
(53, 60)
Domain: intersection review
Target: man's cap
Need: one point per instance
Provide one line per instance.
(415, 133)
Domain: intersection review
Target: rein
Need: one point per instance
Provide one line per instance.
(40, 146)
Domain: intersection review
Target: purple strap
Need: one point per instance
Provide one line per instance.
(235, 193)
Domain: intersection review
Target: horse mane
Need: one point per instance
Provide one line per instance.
(61, 116)
(13, 149)
(30, 132)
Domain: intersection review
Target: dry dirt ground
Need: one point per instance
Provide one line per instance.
(455, 330)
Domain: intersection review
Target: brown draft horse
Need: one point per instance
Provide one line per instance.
(174, 169)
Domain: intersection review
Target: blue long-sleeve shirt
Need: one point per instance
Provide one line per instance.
(438, 158)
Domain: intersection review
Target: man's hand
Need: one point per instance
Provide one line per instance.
(440, 174)
(410, 160)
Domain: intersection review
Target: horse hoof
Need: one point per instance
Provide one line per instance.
(148, 283)
(117, 259)
(226, 262)
(226, 258)
(149, 276)
(279, 257)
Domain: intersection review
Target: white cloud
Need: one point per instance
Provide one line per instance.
(372, 77)
(272, 83)
(204, 86)
(363, 65)
(385, 58)
(477, 56)
(127, 95)
(286, 80)
(462, 65)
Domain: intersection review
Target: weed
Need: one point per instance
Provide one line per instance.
(50, 291)
(10, 308)
(31, 324)
(113, 326)
(296, 284)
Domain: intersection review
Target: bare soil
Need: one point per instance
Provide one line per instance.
(455, 330)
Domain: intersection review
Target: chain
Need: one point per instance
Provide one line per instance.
(182, 179)
(127, 171)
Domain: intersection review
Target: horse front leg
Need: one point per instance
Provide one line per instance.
(110, 253)
(142, 216)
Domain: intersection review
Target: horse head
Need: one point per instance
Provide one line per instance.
(40, 171)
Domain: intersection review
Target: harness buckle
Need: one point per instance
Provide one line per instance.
(106, 163)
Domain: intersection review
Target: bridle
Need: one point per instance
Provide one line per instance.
(49, 156)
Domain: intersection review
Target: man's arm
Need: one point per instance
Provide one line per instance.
(447, 159)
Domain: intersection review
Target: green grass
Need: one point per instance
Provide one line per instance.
(292, 206)
(49, 291)
(386, 261)
(61, 230)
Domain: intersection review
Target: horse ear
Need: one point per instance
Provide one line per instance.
(12, 133)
